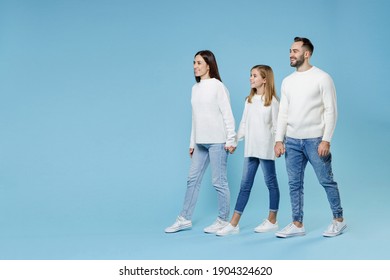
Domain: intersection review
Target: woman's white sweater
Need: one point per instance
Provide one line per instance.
(212, 116)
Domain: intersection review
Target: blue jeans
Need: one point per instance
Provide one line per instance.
(251, 165)
(298, 153)
(204, 154)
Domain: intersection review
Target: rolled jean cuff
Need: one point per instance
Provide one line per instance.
(337, 215)
(297, 219)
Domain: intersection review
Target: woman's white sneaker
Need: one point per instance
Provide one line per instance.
(227, 230)
(216, 226)
(180, 224)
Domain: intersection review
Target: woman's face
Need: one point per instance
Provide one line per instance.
(201, 69)
(256, 79)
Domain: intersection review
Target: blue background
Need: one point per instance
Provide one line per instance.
(95, 122)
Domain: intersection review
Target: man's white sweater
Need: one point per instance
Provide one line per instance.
(212, 116)
(308, 107)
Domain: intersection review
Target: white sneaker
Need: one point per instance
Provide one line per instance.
(335, 228)
(266, 226)
(217, 225)
(290, 230)
(229, 229)
(180, 224)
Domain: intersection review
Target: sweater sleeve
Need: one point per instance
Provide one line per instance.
(227, 115)
(241, 130)
(328, 92)
(281, 127)
(275, 111)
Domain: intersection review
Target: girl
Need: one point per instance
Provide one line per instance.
(258, 126)
(212, 138)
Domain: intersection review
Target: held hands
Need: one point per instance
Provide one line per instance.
(230, 149)
(279, 149)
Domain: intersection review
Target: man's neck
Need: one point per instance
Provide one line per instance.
(304, 67)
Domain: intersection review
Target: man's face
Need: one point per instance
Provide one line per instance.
(297, 54)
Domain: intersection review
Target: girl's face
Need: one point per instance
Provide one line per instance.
(201, 68)
(256, 80)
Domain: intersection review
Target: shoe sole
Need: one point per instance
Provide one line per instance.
(179, 229)
(335, 234)
(213, 231)
(228, 233)
(210, 232)
(281, 235)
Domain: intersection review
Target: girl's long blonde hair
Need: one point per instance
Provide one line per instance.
(269, 87)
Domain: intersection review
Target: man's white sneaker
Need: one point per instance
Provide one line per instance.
(335, 228)
(180, 224)
(229, 229)
(290, 230)
(216, 226)
(266, 226)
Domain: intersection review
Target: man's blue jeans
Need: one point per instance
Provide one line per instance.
(251, 165)
(216, 156)
(298, 153)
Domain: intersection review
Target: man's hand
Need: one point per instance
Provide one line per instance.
(324, 149)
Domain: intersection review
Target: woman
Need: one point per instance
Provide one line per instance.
(212, 138)
(258, 126)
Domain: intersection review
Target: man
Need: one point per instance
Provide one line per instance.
(306, 121)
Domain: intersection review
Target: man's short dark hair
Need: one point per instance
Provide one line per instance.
(306, 43)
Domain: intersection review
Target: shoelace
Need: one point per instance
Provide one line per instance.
(335, 226)
(290, 227)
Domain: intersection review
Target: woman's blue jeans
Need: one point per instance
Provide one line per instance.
(251, 165)
(298, 153)
(216, 156)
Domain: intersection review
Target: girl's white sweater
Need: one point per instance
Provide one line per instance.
(258, 127)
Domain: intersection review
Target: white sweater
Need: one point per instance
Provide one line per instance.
(308, 106)
(258, 127)
(212, 116)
